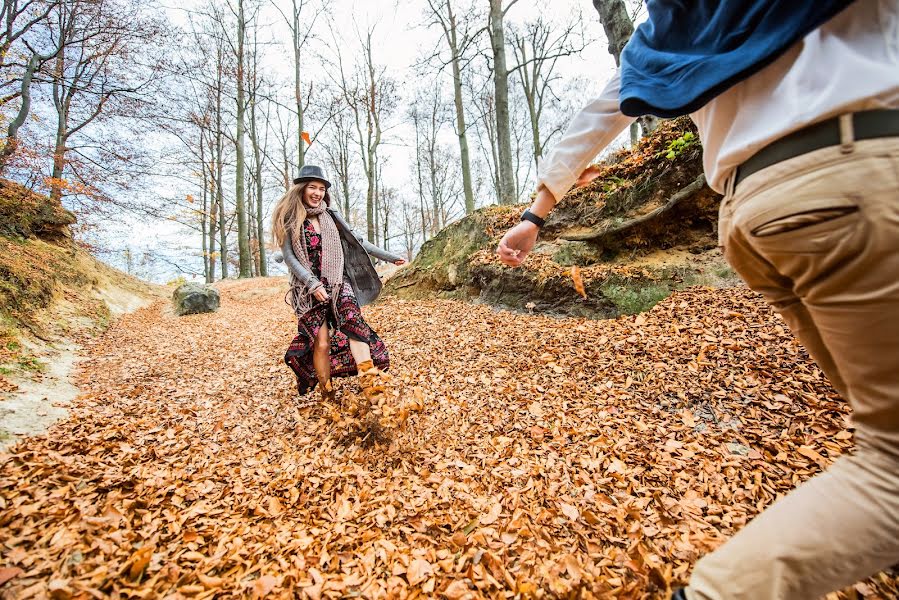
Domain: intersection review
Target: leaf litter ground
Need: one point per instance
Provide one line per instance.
(552, 457)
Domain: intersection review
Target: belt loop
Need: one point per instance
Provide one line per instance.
(847, 134)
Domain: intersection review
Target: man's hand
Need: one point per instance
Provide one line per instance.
(517, 242)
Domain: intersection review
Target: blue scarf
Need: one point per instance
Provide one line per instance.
(686, 53)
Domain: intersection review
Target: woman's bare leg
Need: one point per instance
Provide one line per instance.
(321, 360)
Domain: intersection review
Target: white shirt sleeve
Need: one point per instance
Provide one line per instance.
(590, 131)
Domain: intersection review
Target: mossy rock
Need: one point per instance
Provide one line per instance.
(195, 298)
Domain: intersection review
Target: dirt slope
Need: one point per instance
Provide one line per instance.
(612, 236)
(53, 296)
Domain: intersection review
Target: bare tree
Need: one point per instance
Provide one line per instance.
(93, 76)
(460, 36)
(538, 46)
(21, 18)
(496, 28)
(258, 136)
(301, 19)
(243, 233)
(370, 95)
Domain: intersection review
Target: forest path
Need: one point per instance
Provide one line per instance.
(551, 455)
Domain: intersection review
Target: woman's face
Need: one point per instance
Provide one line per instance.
(314, 193)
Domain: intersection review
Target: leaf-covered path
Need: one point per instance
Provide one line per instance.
(552, 457)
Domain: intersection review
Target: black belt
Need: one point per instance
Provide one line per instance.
(866, 125)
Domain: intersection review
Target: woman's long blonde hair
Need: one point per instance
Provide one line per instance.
(290, 212)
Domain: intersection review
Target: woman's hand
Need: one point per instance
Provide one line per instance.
(320, 294)
(399, 262)
(517, 242)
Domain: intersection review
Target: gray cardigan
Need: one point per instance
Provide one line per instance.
(356, 262)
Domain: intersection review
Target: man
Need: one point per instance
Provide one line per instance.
(797, 105)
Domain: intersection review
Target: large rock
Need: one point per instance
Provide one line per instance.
(193, 298)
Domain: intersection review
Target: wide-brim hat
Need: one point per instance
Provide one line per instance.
(311, 172)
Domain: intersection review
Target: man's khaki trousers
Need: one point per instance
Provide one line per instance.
(818, 236)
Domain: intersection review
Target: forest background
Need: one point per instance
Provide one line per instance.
(170, 130)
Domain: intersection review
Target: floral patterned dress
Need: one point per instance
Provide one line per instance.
(347, 323)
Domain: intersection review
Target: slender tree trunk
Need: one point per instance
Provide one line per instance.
(501, 91)
(243, 234)
(461, 129)
(257, 158)
(220, 167)
(12, 132)
(298, 95)
(213, 220)
(204, 215)
(59, 158)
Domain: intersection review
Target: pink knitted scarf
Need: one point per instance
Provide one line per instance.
(332, 260)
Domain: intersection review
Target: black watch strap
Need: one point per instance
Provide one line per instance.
(529, 216)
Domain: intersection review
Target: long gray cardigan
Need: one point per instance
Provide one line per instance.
(356, 262)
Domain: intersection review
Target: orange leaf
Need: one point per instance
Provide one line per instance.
(139, 561)
(7, 573)
(306, 138)
(578, 282)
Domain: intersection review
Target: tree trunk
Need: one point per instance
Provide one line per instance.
(257, 158)
(618, 27)
(59, 159)
(298, 96)
(461, 128)
(219, 167)
(204, 214)
(12, 133)
(243, 247)
(501, 91)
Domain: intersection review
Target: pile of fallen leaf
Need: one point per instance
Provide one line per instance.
(552, 458)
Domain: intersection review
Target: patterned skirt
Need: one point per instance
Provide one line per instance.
(347, 323)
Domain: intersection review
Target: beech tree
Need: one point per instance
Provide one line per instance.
(460, 36)
(93, 79)
(538, 46)
(496, 29)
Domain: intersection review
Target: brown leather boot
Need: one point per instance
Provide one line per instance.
(370, 382)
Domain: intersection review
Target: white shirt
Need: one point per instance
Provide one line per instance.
(849, 64)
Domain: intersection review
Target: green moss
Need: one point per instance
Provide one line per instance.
(636, 297)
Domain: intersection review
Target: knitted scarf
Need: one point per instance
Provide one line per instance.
(332, 261)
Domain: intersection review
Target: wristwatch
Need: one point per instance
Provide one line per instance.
(527, 215)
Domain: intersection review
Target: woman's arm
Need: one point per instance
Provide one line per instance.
(303, 274)
(373, 250)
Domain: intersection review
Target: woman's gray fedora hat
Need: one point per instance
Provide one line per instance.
(310, 172)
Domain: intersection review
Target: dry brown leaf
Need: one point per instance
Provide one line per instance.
(570, 511)
(492, 515)
(578, 281)
(139, 561)
(458, 590)
(7, 573)
(263, 586)
(419, 570)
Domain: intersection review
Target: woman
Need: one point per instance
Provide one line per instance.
(331, 275)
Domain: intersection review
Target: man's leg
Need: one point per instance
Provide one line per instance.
(819, 237)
